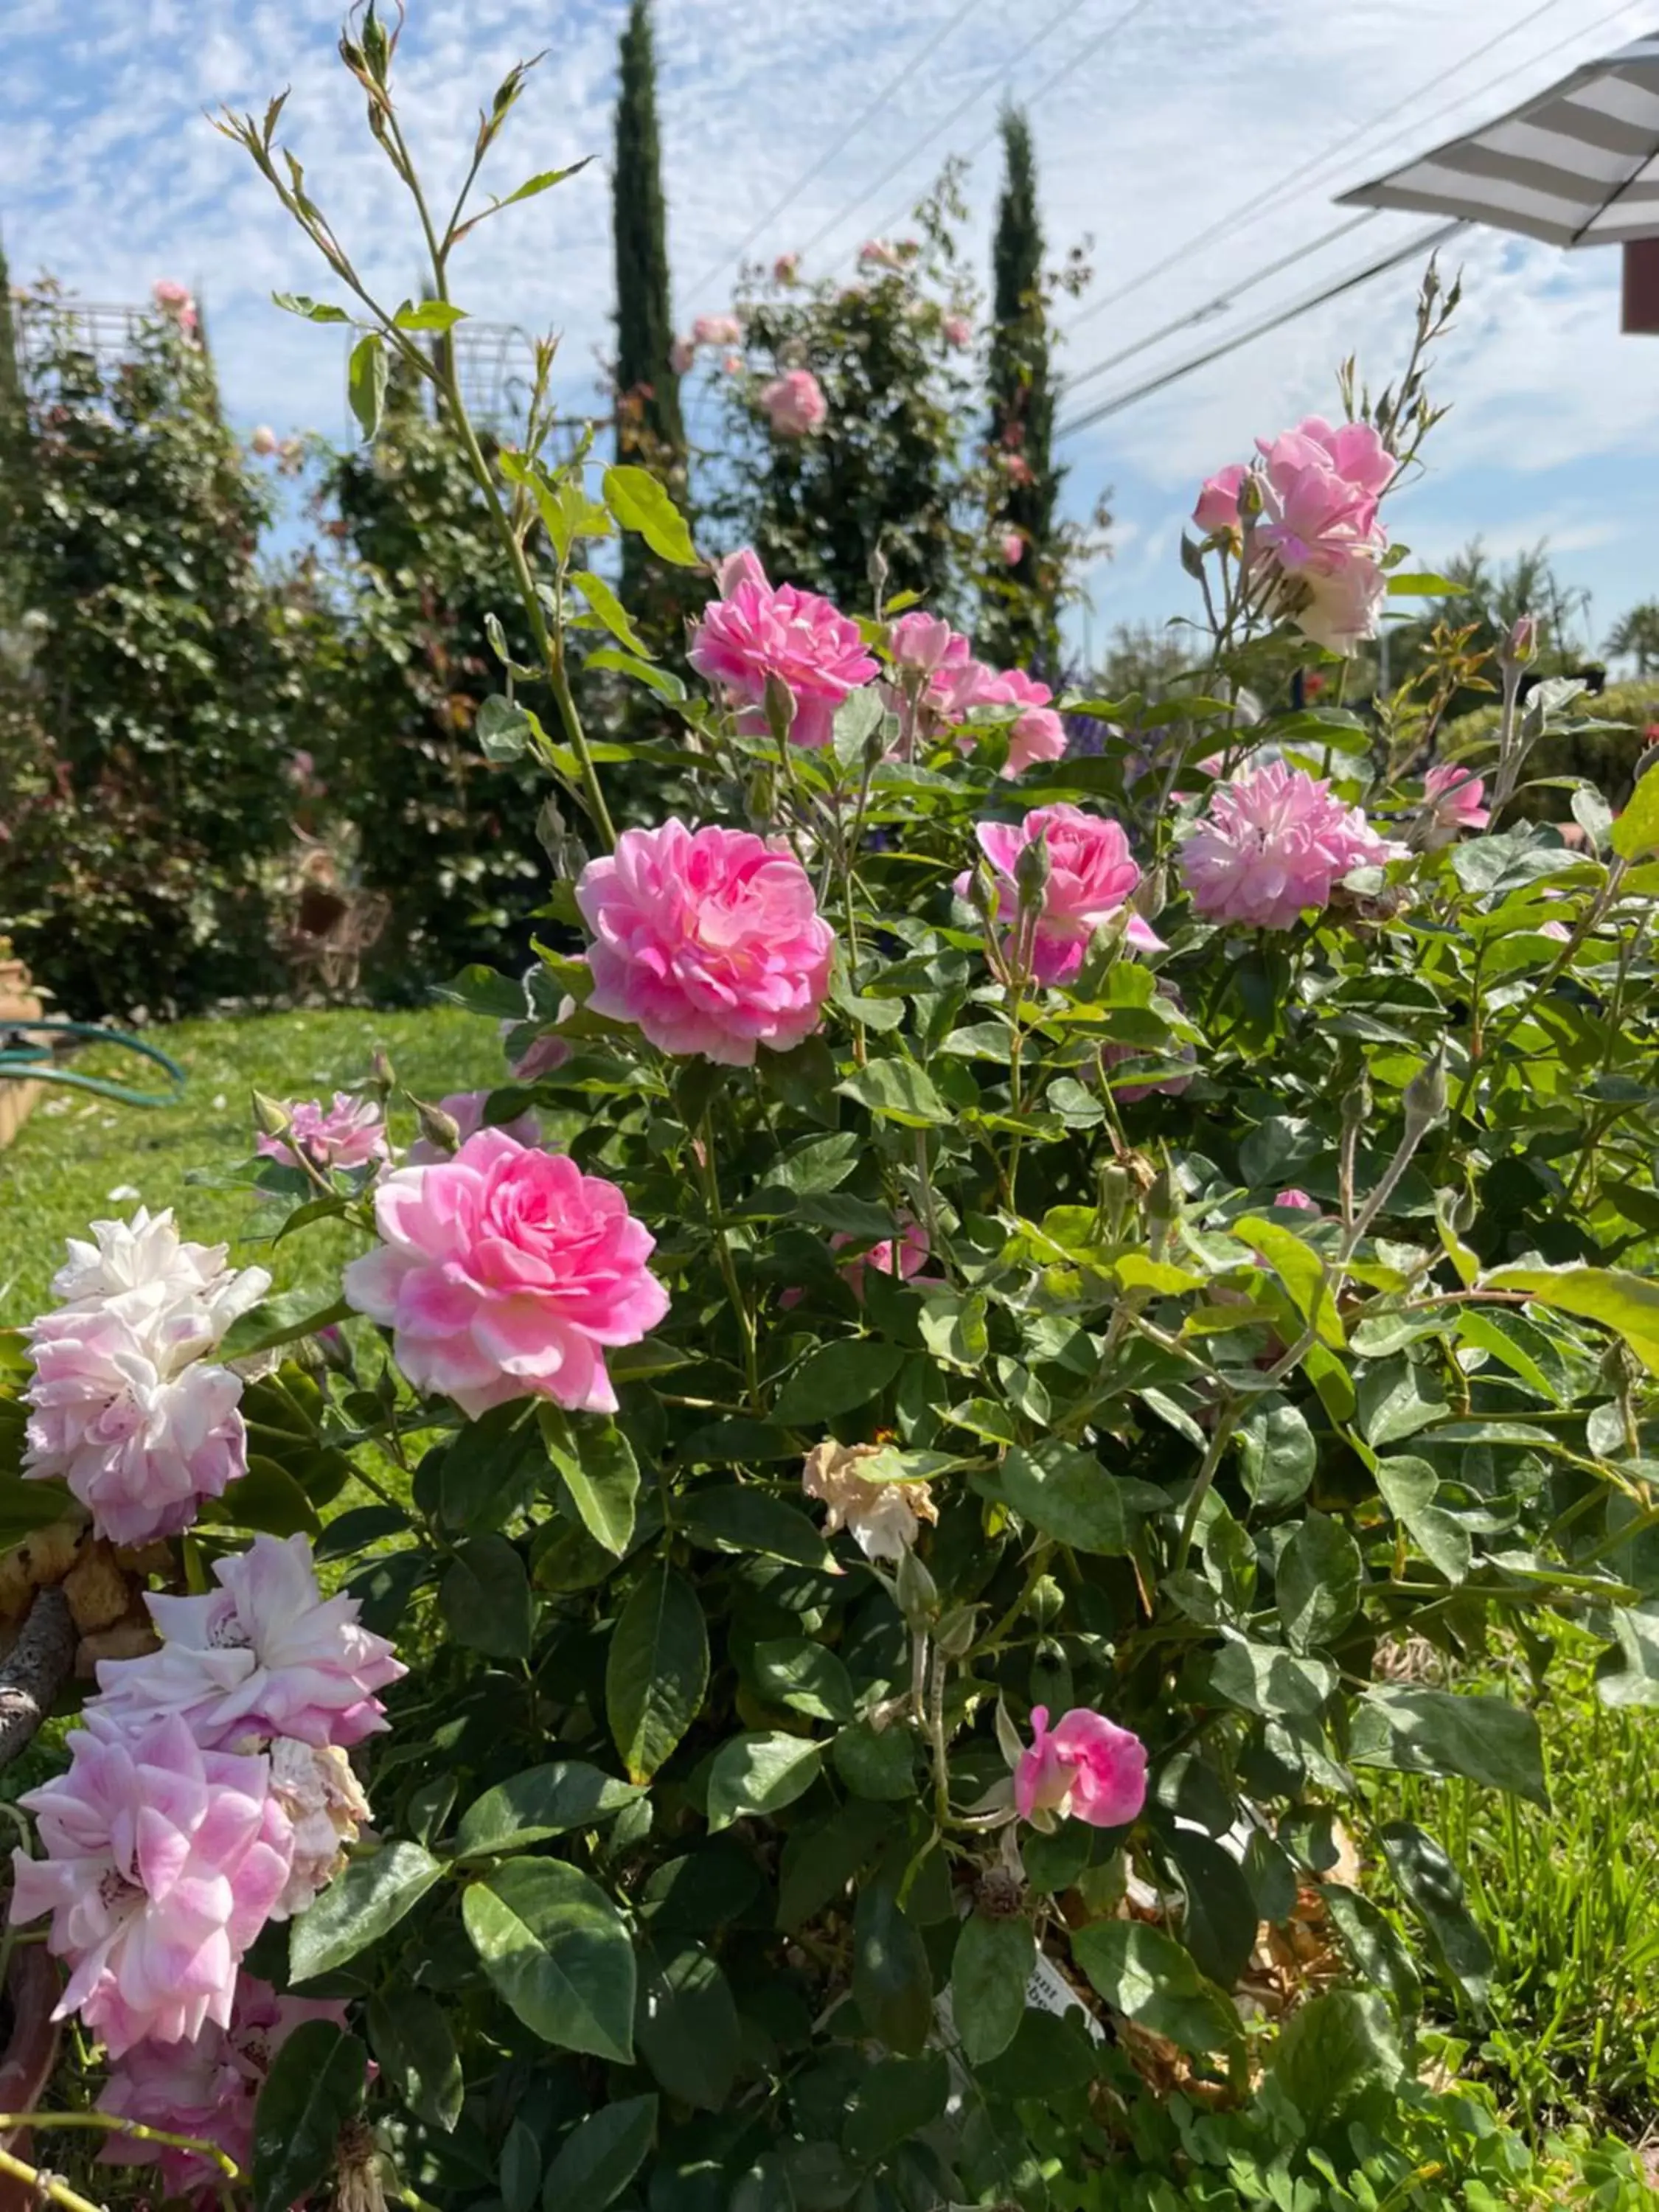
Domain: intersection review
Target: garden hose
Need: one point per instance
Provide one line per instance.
(24, 1059)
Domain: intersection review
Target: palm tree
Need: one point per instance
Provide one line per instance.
(1635, 636)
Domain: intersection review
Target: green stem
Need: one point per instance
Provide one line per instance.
(115, 2124)
(703, 1152)
(1227, 1421)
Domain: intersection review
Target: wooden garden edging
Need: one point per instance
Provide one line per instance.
(19, 1004)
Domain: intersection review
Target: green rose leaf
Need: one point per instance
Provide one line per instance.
(656, 1671)
(358, 1907)
(558, 1951)
(316, 2084)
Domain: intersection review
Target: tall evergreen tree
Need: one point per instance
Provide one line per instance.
(1019, 623)
(649, 430)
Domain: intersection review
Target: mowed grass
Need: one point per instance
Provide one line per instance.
(82, 1158)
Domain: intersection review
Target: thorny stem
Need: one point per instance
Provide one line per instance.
(936, 1738)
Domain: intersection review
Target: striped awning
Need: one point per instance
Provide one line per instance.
(1579, 165)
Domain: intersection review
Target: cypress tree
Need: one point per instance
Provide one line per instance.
(649, 430)
(1020, 624)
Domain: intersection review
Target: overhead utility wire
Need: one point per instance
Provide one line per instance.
(913, 64)
(1339, 149)
(1424, 242)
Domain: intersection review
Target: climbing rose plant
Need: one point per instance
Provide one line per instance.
(892, 1447)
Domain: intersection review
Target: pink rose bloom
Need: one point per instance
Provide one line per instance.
(184, 1296)
(504, 1274)
(349, 1133)
(682, 355)
(170, 295)
(1130, 1094)
(1038, 733)
(1298, 1199)
(1352, 451)
(733, 363)
(921, 641)
(263, 441)
(1012, 546)
(754, 631)
(709, 939)
(794, 403)
(540, 1057)
(162, 1863)
(879, 253)
(958, 331)
(960, 684)
(207, 2088)
(785, 267)
(905, 1256)
(1320, 489)
(139, 1445)
(1271, 843)
(1085, 1768)
(1015, 467)
(466, 1108)
(1091, 876)
(1452, 797)
(265, 1655)
(717, 331)
(1218, 499)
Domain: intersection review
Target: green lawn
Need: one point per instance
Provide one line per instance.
(82, 1158)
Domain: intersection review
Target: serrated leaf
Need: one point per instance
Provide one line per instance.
(1627, 1303)
(358, 1907)
(541, 1802)
(639, 503)
(429, 315)
(1487, 1740)
(609, 610)
(1299, 1267)
(558, 1951)
(1149, 1977)
(837, 1378)
(365, 382)
(601, 1475)
(760, 1772)
(656, 1670)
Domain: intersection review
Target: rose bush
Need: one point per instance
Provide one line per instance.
(897, 1499)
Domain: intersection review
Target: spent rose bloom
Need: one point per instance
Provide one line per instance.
(785, 267)
(327, 1811)
(1091, 876)
(1452, 799)
(1084, 1768)
(709, 939)
(1011, 547)
(139, 1442)
(883, 1518)
(265, 1655)
(466, 1108)
(504, 1274)
(794, 403)
(1271, 844)
(958, 331)
(207, 2088)
(349, 1134)
(754, 631)
(263, 441)
(162, 1863)
(1038, 733)
(717, 331)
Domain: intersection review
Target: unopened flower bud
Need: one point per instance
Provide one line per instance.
(1521, 647)
(954, 1636)
(918, 1593)
(1046, 1602)
(270, 1117)
(1425, 1096)
(1032, 869)
(779, 707)
(439, 1129)
(982, 893)
(381, 1067)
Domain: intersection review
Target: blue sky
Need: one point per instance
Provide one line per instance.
(1153, 125)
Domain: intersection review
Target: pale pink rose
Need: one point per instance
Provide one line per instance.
(754, 631)
(1085, 1768)
(143, 1267)
(466, 1108)
(907, 1262)
(717, 331)
(170, 295)
(265, 1655)
(349, 1134)
(1218, 499)
(1038, 733)
(207, 2088)
(1352, 451)
(961, 683)
(263, 441)
(1320, 489)
(1298, 1200)
(785, 267)
(919, 642)
(733, 364)
(1344, 597)
(1091, 877)
(1273, 843)
(958, 331)
(1452, 796)
(1011, 547)
(162, 1863)
(504, 1274)
(879, 253)
(709, 939)
(138, 1445)
(795, 405)
(682, 355)
(883, 1518)
(1015, 467)
(326, 1810)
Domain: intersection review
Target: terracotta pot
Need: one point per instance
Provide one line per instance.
(33, 1988)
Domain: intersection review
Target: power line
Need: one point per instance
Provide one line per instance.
(1046, 85)
(910, 67)
(1423, 242)
(1003, 71)
(1222, 301)
(1340, 149)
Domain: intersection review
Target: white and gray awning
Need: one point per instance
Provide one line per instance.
(1579, 165)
